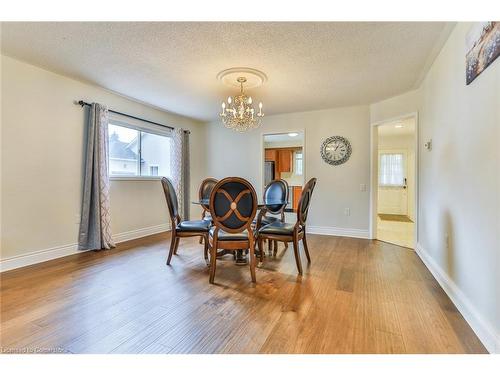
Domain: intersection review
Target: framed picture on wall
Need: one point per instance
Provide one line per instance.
(482, 44)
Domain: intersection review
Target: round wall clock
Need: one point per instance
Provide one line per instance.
(336, 150)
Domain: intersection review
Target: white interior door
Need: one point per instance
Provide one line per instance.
(393, 182)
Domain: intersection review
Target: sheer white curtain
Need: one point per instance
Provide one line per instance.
(391, 170)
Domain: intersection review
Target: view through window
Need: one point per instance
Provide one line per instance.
(391, 170)
(137, 153)
(298, 163)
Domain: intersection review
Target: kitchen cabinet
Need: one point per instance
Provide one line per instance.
(285, 160)
(282, 158)
(270, 155)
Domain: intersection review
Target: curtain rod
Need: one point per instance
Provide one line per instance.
(82, 104)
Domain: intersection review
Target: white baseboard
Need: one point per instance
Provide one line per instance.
(138, 233)
(65, 250)
(342, 232)
(38, 257)
(482, 327)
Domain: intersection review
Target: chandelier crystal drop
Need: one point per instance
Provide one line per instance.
(238, 112)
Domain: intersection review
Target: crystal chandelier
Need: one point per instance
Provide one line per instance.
(238, 113)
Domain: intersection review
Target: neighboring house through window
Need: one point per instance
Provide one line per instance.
(137, 152)
(153, 170)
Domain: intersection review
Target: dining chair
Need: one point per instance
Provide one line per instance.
(180, 228)
(277, 191)
(291, 232)
(233, 204)
(206, 188)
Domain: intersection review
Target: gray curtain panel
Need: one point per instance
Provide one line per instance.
(180, 169)
(95, 230)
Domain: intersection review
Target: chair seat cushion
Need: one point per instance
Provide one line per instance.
(225, 236)
(278, 228)
(267, 220)
(193, 226)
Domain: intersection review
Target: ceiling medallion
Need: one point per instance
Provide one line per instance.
(238, 112)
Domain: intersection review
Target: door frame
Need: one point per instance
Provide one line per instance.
(374, 174)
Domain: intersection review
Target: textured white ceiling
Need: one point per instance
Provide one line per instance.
(173, 65)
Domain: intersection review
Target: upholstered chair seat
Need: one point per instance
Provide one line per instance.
(225, 236)
(278, 228)
(266, 220)
(193, 226)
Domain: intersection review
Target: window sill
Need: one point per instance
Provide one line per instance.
(135, 178)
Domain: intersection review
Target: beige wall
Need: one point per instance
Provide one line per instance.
(240, 154)
(403, 104)
(42, 161)
(459, 181)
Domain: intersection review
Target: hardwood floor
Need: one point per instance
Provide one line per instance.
(358, 296)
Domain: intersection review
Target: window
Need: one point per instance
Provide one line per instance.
(153, 170)
(135, 152)
(391, 170)
(298, 163)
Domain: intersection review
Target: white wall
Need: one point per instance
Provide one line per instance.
(42, 161)
(240, 154)
(459, 181)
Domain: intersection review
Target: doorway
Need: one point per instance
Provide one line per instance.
(394, 181)
(284, 159)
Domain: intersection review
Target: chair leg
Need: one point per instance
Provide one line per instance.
(213, 259)
(297, 254)
(172, 246)
(205, 250)
(201, 240)
(260, 243)
(252, 260)
(176, 245)
(269, 245)
(306, 249)
(276, 250)
(275, 246)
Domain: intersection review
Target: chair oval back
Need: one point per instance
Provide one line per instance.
(305, 201)
(233, 204)
(206, 187)
(276, 190)
(171, 197)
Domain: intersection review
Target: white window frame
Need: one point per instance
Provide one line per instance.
(295, 163)
(141, 127)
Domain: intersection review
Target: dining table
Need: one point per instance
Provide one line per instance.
(241, 257)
